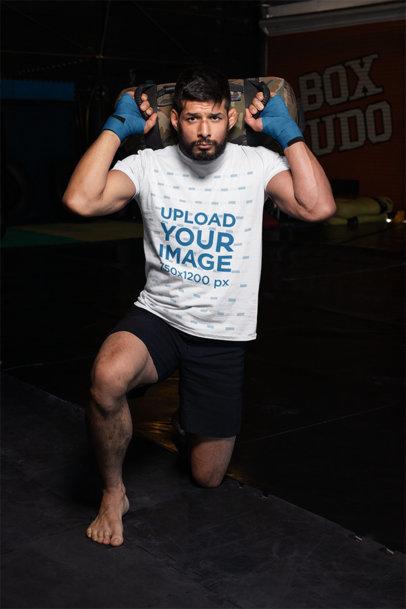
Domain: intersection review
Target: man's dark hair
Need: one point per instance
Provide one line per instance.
(201, 83)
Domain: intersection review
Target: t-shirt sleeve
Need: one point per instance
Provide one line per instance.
(273, 163)
(132, 166)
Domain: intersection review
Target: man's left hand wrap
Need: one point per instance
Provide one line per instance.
(126, 119)
(277, 122)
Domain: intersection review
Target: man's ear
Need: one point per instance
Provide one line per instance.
(174, 119)
(232, 117)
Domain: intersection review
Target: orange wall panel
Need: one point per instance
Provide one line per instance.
(351, 84)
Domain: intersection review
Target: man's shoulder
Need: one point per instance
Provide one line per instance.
(255, 151)
(251, 154)
(159, 153)
(149, 153)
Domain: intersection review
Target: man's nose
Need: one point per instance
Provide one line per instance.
(204, 128)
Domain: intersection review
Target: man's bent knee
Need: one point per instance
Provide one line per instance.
(107, 382)
(210, 458)
(108, 388)
(122, 364)
(104, 402)
(212, 480)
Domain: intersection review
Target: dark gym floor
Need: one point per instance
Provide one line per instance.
(311, 513)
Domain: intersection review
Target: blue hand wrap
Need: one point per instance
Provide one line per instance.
(278, 123)
(126, 119)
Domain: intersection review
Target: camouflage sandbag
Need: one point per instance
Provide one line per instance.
(242, 92)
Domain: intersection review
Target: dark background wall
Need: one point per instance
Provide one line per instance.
(100, 47)
(134, 41)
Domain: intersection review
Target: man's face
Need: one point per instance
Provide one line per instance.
(202, 128)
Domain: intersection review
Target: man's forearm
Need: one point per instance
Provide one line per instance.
(90, 176)
(310, 184)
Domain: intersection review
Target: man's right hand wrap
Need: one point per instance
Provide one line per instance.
(126, 119)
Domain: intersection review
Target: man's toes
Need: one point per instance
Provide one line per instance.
(116, 539)
(89, 532)
(106, 537)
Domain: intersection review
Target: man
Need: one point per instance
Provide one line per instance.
(201, 202)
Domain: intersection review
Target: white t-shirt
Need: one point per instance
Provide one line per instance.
(203, 236)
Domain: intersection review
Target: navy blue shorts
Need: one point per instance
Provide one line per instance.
(211, 372)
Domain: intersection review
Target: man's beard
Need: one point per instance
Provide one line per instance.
(202, 155)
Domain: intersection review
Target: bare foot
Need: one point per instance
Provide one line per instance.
(107, 527)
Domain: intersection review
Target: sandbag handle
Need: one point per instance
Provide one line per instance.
(153, 137)
(261, 86)
(138, 92)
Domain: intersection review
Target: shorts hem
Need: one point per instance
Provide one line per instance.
(211, 435)
(188, 331)
(216, 434)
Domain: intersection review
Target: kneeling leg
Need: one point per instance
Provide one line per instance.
(209, 459)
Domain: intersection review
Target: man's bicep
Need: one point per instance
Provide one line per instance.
(118, 191)
(280, 187)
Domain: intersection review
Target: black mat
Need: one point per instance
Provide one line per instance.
(185, 546)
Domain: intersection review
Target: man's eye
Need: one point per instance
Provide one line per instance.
(216, 118)
(191, 119)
